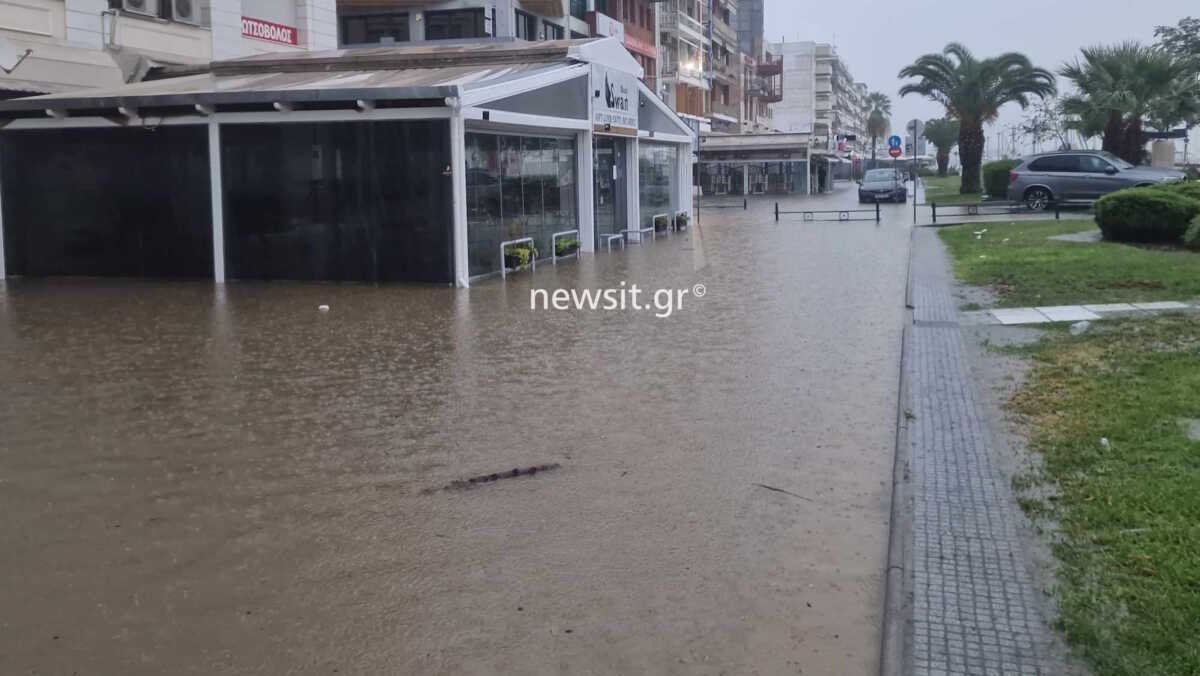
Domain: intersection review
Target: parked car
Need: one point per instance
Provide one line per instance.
(1078, 176)
(882, 184)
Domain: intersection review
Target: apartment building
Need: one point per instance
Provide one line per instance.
(685, 61)
(60, 45)
(373, 22)
(632, 22)
(762, 71)
(820, 96)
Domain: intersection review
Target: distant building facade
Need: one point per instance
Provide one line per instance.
(68, 44)
(820, 96)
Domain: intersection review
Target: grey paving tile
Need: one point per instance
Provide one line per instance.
(973, 607)
(1068, 313)
(1024, 315)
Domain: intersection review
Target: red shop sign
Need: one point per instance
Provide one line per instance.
(269, 31)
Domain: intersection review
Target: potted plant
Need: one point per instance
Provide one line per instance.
(661, 223)
(519, 256)
(681, 220)
(566, 246)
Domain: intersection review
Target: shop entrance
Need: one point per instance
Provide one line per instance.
(610, 194)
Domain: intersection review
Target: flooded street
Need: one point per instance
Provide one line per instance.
(206, 480)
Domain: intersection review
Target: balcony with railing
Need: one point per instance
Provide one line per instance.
(766, 89)
(685, 15)
(770, 66)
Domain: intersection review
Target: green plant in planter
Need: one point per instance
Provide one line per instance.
(661, 223)
(681, 220)
(566, 246)
(517, 256)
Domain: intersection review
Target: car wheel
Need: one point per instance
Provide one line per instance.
(1037, 199)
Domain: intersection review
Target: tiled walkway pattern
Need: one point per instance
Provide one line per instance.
(973, 603)
(1071, 313)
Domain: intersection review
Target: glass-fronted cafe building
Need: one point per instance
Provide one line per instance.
(411, 163)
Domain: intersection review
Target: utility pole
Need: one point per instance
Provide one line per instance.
(1014, 142)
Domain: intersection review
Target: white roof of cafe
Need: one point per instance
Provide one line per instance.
(472, 72)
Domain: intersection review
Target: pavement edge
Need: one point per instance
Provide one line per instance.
(895, 609)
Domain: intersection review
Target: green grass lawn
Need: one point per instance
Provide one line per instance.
(1127, 512)
(944, 190)
(1025, 268)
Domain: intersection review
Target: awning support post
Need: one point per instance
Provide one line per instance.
(3, 273)
(218, 207)
(458, 177)
(585, 184)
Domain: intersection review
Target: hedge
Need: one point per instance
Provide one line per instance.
(1191, 238)
(1186, 188)
(1145, 215)
(995, 177)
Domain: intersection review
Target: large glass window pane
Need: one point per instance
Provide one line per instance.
(454, 24)
(512, 205)
(483, 202)
(120, 202)
(656, 179)
(366, 201)
(517, 186)
(371, 28)
(532, 173)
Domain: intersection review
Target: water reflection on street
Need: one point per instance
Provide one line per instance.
(226, 480)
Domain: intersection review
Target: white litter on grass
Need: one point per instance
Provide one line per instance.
(1104, 442)
(323, 308)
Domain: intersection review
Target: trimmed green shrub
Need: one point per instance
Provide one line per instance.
(1145, 215)
(995, 177)
(1186, 188)
(1191, 238)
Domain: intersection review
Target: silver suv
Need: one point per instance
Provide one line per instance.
(1078, 176)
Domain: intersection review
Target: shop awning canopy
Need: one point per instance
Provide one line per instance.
(424, 74)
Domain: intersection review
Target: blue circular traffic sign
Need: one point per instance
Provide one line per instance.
(895, 141)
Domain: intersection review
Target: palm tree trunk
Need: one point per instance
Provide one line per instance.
(943, 160)
(1114, 134)
(873, 138)
(970, 154)
(1133, 143)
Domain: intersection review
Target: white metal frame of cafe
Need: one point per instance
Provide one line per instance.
(391, 164)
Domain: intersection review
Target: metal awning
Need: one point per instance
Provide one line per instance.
(57, 68)
(424, 72)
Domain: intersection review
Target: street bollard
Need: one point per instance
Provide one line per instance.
(745, 204)
(1057, 214)
(777, 212)
(933, 210)
(876, 211)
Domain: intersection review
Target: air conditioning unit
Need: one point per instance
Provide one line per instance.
(186, 11)
(143, 7)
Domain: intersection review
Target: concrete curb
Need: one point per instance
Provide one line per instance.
(895, 605)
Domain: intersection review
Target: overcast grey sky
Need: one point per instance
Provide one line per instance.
(877, 38)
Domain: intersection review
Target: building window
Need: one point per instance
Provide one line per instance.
(553, 31)
(454, 24)
(517, 186)
(363, 29)
(526, 26)
(579, 9)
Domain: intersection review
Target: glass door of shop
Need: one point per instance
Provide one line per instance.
(610, 190)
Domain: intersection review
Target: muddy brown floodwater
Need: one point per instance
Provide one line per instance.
(202, 480)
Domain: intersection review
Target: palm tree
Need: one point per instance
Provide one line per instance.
(879, 123)
(1129, 85)
(943, 134)
(973, 90)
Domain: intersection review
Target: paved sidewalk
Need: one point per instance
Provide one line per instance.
(1072, 313)
(973, 605)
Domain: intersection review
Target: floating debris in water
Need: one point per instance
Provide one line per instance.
(323, 308)
(473, 482)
